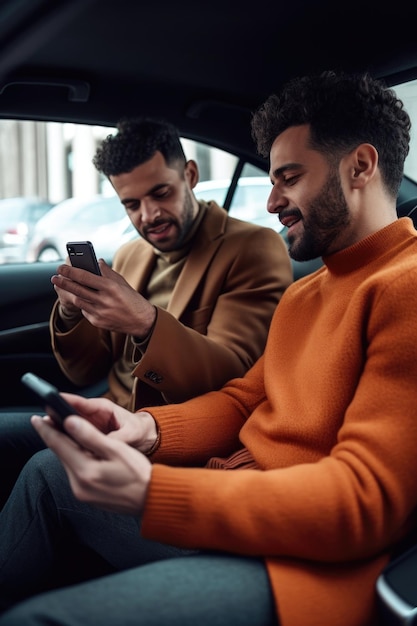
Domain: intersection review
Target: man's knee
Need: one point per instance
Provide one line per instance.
(42, 470)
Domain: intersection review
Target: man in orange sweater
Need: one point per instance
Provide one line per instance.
(280, 498)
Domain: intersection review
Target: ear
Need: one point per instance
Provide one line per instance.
(191, 173)
(363, 165)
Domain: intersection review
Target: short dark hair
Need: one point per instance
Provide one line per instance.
(342, 111)
(136, 141)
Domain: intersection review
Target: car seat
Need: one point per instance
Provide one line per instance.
(396, 586)
(408, 208)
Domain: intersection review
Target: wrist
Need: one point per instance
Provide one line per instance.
(69, 314)
(146, 334)
(152, 438)
(155, 445)
(66, 320)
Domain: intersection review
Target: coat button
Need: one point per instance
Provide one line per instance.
(154, 377)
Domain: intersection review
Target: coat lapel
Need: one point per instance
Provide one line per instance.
(206, 243)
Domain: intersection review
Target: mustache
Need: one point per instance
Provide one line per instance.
(156, 224)
(286, 213)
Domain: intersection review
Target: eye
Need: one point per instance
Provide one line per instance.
(132, 206)
(291, 180)
(161, 193)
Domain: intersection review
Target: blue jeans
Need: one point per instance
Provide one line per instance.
(150, 584)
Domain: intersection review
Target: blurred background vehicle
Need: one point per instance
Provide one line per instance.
(18, 217)
(248, 202)
(99, 219)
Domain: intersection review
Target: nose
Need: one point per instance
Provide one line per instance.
(276, 200)
(149, 211)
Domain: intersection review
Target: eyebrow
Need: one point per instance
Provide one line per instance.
(150, 191)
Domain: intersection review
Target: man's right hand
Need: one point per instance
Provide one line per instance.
(105, 471)
(106, 301)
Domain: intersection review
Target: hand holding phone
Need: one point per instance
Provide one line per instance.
(54, 403)
(82, 255)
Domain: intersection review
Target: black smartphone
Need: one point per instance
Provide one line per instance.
(82, 255)
(54, 403)
(397, 590)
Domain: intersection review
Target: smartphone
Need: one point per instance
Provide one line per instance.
(397, 590)
(54, 403)
(82, 255)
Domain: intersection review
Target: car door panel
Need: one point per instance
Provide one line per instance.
(25, 306)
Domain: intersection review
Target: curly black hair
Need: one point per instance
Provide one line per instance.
(342, 111)
(136, 141)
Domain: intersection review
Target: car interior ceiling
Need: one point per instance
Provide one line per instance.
(62, 73)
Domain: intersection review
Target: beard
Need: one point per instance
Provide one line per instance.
(327, 214)
(187, 219)
(182, 224)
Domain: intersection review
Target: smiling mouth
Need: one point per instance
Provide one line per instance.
(289, 220)
(157, 231)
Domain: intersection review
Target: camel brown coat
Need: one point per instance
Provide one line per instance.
(215, 325)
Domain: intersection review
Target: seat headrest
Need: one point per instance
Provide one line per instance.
(408, 208)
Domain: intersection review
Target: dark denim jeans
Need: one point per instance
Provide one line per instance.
(18, 442)
(151, 584)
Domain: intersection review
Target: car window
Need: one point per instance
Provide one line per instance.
(84, 204)
(408, 94)
(18, 218)
(78, 219)
(53, 193)
(249, 199)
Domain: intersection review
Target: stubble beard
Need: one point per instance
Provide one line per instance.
(327, 216)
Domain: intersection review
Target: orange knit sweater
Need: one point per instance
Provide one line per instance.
(329, 415)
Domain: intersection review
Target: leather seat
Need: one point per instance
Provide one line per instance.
(408, 208)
